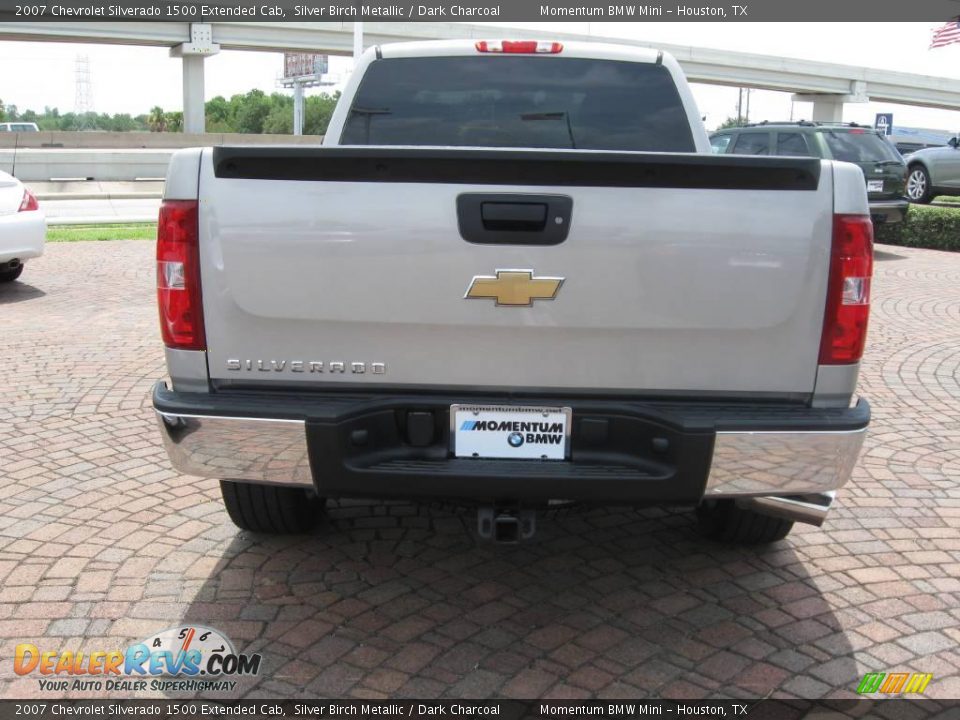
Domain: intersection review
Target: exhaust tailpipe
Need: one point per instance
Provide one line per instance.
(809, 509)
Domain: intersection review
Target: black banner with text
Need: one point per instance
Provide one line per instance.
(265, 709)
(854, 11)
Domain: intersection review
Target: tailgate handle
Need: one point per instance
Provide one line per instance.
(514, 218)
(522, 217)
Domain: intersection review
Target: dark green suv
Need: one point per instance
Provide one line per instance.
(883, 167)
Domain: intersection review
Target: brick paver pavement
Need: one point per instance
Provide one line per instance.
(102, 544)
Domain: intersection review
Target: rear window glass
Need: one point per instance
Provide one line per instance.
(757, 143)
(519, 102)
(859, 147)
(718, 143)
(792, 144)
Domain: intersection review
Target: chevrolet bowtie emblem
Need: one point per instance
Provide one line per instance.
(517, 288)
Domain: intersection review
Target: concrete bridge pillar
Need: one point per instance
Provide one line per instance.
(194, 97)
(826, 108)
(829, 107)
(192, 54)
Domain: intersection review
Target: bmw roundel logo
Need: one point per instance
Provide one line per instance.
(515, 439)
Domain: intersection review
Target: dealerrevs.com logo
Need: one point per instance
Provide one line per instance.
(188, 658)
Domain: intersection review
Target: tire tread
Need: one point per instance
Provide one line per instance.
(724, 520)
(270, 508)
(11, 275)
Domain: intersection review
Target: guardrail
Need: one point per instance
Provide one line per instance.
(143, 140)
(31, 165)
(111, 157)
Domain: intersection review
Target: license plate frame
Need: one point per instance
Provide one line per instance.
(494, 444)
(874, 185)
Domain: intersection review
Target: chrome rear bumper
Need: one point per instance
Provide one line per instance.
(265, 451)
(791, 474)
(782, 463)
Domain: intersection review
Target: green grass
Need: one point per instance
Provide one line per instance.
(935, 228)
(953, 199)
(77, 233)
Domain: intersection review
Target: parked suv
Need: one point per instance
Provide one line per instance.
(883, 167)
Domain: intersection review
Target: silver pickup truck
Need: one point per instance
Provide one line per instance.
(514, 274)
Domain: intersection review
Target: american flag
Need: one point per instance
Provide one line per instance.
(946, 34)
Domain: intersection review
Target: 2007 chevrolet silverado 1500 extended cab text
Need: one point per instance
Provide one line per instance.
(514, 273)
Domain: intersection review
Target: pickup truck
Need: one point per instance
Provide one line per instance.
(515, 275)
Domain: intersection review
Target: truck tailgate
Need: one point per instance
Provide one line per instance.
(692, 273)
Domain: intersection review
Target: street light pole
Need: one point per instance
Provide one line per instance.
(297, 107)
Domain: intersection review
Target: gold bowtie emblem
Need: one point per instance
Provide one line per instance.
(517, 288)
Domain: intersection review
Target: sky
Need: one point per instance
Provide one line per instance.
(134, 79)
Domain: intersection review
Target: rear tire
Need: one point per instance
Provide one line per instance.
(11, 275)
(918, 188)
(271, 508)
(725, 520)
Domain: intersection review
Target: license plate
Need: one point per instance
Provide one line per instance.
(874, 185)
(527, 433)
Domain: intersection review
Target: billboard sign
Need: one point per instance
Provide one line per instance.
(304, 64)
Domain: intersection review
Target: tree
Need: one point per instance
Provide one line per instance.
(68, 121)
(157, 119)
(3, 113)
(318, 112)
(252, 112)
(122, 122)
(174, 121)
(731, 122)
(280, 120)
(254, 107)
(219, 115)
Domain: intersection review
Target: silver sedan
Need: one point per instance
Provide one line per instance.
(933, 171)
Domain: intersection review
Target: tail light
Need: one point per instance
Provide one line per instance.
(848, 291)
(178, 275)
(29, 202)
(519, 47)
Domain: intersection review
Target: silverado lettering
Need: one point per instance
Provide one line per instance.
(299, 366)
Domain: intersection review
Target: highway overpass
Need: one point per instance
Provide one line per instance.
(827, 85)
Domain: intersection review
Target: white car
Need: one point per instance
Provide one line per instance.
(23, 228)
(19, 127)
